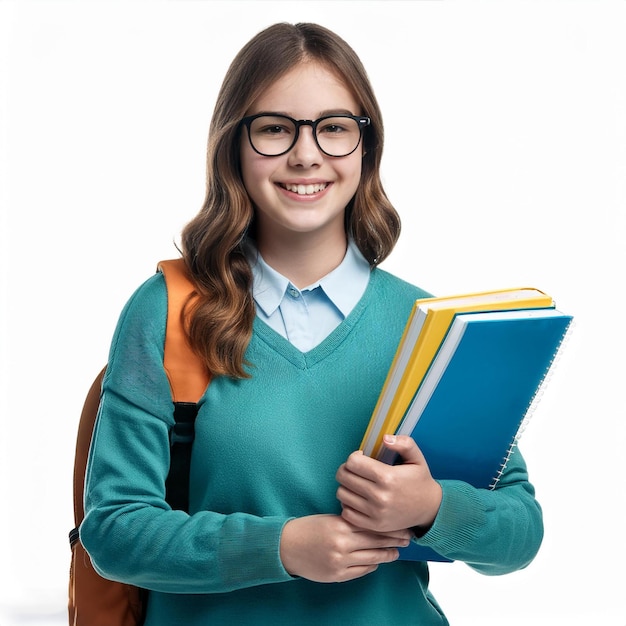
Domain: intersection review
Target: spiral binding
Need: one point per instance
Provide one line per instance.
(532, 406)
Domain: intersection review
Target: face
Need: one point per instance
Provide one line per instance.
(303, 193)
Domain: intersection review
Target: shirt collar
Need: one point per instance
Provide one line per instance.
(344, 286)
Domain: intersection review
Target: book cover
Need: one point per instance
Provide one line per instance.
(428, 322)
(481, 388)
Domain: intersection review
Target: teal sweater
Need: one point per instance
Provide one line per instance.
(266, 450)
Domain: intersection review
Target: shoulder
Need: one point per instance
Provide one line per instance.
(135, 364)
(149, 300)
(144, 315)
(390, 285)
(390, 301)
(151, 292)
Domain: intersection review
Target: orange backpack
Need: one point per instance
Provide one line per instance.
(93, 600)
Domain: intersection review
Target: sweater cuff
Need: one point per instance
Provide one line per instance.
(459, 522)
(262, 547)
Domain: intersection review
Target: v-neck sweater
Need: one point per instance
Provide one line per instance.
(266, 451)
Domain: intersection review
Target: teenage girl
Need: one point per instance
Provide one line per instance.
(297, 326)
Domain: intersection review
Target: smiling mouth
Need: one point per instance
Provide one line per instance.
(305, 190)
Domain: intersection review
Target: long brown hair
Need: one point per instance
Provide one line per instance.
(220, 318)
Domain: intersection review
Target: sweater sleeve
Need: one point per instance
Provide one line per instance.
(129, 531)
(494, 531)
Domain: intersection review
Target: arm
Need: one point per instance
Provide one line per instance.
(494, 531)
(129, 530)
(131, 533)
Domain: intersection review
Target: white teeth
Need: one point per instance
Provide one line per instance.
(305, 190)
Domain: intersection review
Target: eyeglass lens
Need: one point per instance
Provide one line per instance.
(272, 135)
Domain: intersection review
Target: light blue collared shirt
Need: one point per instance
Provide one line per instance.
(305, 317)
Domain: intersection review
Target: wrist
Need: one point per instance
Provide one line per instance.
(430, 511)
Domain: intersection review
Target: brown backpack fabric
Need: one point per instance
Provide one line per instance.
(93, 600)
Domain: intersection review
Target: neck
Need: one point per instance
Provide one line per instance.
(304, 259)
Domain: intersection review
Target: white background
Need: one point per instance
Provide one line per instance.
(505, 156)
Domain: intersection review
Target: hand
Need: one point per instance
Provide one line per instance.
(327, 548)
(382, 498)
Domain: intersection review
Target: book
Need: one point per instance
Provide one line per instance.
(476, 397)
(428, 322)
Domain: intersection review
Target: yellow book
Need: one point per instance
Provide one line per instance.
(427, 325)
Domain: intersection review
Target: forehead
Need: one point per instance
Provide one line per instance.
(308, 90)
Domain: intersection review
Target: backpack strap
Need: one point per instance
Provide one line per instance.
(188, 378)
(187, 374)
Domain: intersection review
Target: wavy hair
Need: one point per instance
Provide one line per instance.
(219, 318)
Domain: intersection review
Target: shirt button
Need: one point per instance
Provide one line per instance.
(293, 292)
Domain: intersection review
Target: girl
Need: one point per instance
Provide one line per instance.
(287, 524)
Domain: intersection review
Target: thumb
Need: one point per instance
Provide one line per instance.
(406, 447)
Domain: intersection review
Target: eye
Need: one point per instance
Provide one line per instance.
(274, 129)
(272, 126)
(332, 128)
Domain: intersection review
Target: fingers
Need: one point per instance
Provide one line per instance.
(406, 447)
(353, 501)
(372, 557)
(374, 539)
(357, 517)
(370, 550)
(362, 466)
(365, 562)
(382, 497)
(370, 469)
(326, 548)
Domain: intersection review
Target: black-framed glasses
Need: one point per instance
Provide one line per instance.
(335, 135)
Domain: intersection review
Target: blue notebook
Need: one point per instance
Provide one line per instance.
(481, 387)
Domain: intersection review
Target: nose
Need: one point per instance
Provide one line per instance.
(305, 152)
